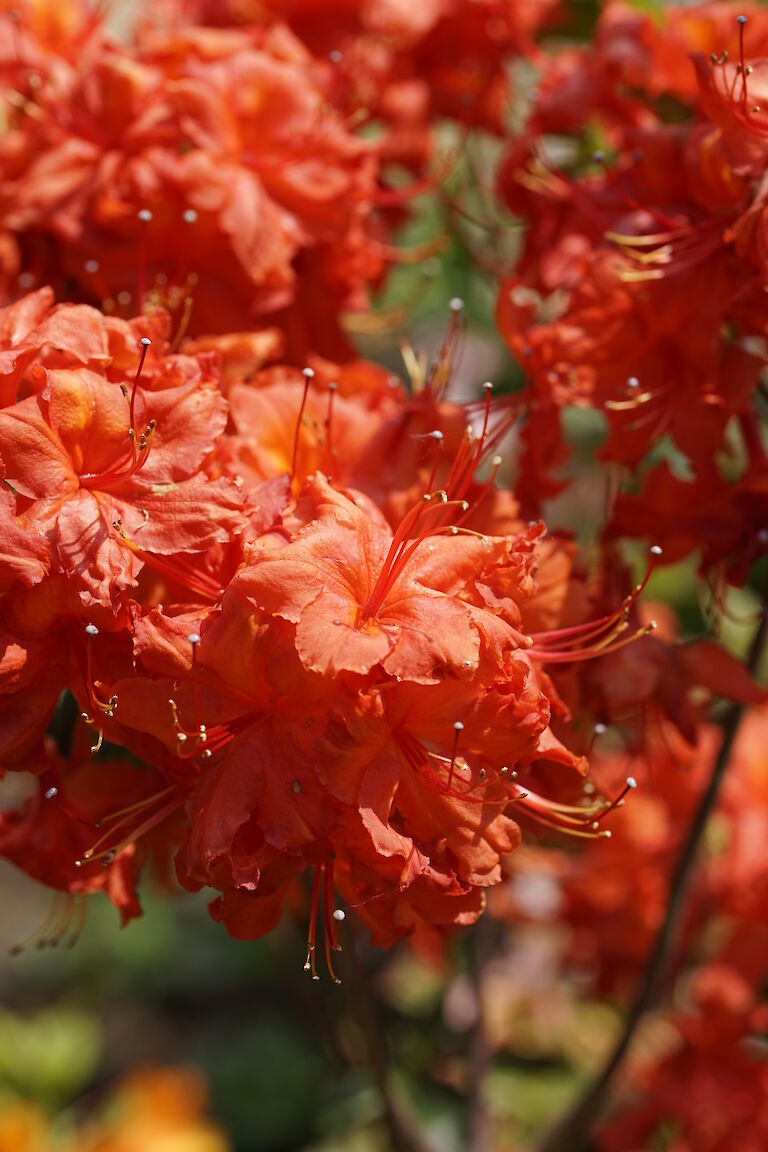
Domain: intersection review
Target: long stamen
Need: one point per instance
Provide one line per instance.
(41, 935)
(107, 856)
(440, 375)
(145, 218)
(309, 963)
(308, 376)
(741, 21)
(404, 545)
(332, 389)
(139, 450)
(594, 636)
(331, 941)
(575, 820)
(107, 707)
(144, 344)
(194, 639)
(197, 581)
(458, 728)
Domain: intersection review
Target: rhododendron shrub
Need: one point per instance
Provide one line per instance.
(287, 627)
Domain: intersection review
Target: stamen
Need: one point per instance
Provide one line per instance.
(600, 634)
(144, 345)
(598, 731)
(209, 738)
(194, 640)
(458, 728)
(575, 820)
(332, 389)
(440, 374)
(66, 917)
(108, 855)
(308, 376)
(198, 582)
(741, 21)
(186, 316)
(309, 963)
(404, 545)
(629, 786)
(145, 218)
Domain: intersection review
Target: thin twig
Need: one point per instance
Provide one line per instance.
(480, 1131)
(406, 1133)
(571, 1133)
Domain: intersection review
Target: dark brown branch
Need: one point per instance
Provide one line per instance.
(571, 1133)
(480, 1132)
(406, 1133)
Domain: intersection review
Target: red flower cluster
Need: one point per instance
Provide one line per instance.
(295, 603)
(440, 57)
(641, 290)
(204, 171)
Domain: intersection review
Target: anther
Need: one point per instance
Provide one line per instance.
(50, 793)
(741, 20)
(145, 215)
(456, 304)
(193, 638)
(339, 914)
(296, 787)
(631, 782)
(91, 266)
(189, 216)
(91, 630)
(656, 550)
(633, 383)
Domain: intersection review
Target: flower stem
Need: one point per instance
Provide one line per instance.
(571, 1133)
(480, 1126)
